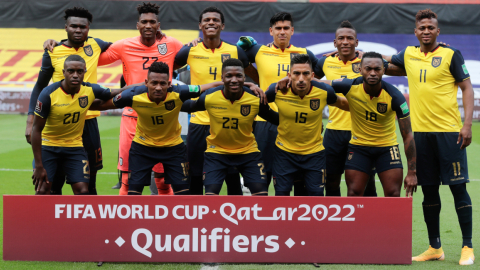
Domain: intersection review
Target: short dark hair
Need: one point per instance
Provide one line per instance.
(147, 8)
(280, 17)
(425, 14)
(78, 12)
(159, 67)
(211, 9)
(232, 62)
(301, 59)
(74, 57)
(371, 55)
(347, 24)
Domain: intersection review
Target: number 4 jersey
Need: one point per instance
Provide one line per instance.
(373, 118)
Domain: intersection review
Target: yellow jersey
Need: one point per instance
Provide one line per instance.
(432, 82)
(373, 118)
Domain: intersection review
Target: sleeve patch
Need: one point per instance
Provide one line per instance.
(38, 107)
(106, 88)
(193, 88)
(117, 97)
(404, 108)
(464, 69)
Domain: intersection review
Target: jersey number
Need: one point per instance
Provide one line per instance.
(300, 117)
(394, 153)
(370, 116)
(283, 68)
(456, 169)
(75, 118)
(214, 73)
(234, 124)
(424, 71)
(155, 59)
(157, 120)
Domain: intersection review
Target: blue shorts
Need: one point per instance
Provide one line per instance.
(196, 146)
(265, 135)
(142, 159)
(249, 165)
(364, 158)
(336, 149)
(440, 161)
(69, 161)
(288, 167)
(92, 144)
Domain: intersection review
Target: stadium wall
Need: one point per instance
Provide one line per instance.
(252, 16)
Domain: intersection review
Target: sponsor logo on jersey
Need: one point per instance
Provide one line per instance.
(436, 61)
(334, 67)
(83, 101)
(225, 57)
(141, 138)
(200, 57)
(314, 104)
(61, 105)
(38, 108)
(170, 105)
(382, 107)
(279, 143)
(88, 50)
(404, 108)
(415, 59)
(162, 48)
(245, 110)
(464, 69)
(292, 55)
(117, 98)
(350, 155)
(356, 67)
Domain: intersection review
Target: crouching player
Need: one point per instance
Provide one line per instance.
(58, 127)
(374, 104)
(299, 150)
(231, 143)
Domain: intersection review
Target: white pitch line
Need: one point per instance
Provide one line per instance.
(27, 170)
(208, 267)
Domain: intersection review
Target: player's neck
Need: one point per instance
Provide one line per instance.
(232, 96)
(429, 47)
(148, 41)
(295, 91)
(281, 46)
(346, 58)
(212, 42)
(70, 90)
(73, 45)
(372, 90)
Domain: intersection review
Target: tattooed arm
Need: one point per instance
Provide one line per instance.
(411, 178)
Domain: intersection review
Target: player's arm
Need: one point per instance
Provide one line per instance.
(337, 101)
(318, 67)
(181, 57)
(40, 174)
(467, 97)
(190, 106)
(341, 86)
(268, 114)
(271, 93)
(250, 70)
(111, 54)
(44, 77)
(115, 92)
(121, 100)
(257, 91)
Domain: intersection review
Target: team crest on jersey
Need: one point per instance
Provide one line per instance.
(292, 55)
(225, 57)
(382, 107)
(350, 155)
(314, 104)
(38, 108)
(356, 67)
(436, 61)
(83, 101)
(170, 105)
(245, 110)
(88, 50)
(162, 48)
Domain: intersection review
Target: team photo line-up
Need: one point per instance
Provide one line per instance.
(270, 129)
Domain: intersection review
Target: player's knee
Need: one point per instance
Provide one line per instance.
(354, 192)
(282, 193)
(333, 180)
(181, 189)
(258, 189)
(135, 189)
(213, 189)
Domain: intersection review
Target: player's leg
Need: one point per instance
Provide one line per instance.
(251, 167)
(159, 176)
(371, 189)
(93, 147)
(175, 165)
(141, 161)
(196, 146)
(265, 135)
(51, 161)
(124, 188)
(285, 172)
(77, 169)
(388, 165)
(216, 167)
(357, 169)
(58, 182)
(336, 149)
(299, 188)
(313, 167)
(128, 126)
(232, 180)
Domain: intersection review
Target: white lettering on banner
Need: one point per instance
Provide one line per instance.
(181, 243)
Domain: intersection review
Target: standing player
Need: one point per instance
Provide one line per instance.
(374, 104)
(231, 143)
(434, 74)
(77, 25)
(58, 125)
(299, 148)
(137, 54)
(205, 61)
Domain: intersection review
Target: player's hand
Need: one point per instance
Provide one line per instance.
(28, 130)
(50, 44)
(444, 44)
(283, 85)
(269, 44)
(259, 93)
(39, 177)
(410, 184)
(466, 135)
(330, 53)
(194, 42)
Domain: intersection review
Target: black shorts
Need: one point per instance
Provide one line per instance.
(288, 167)
(69, 161)
(196, 146)
(364, 158)
(142, 159)
(440, 159)
(92, 144)
(249, 165)
(336, 149)
(265, 135)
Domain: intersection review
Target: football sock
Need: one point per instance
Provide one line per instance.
(92, 184)
(299, 188)
(234, 187)
(258, 189)
(463, 205)
(282, 193)
(213, 189)
(124, 188)
(196, 185)
(431, 213)
(370, 189)
(181, 189)
(163, 189)
(135, 189)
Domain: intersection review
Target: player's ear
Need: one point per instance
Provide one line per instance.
(146, 81)
(356, 42)
(137, 26)
(271, 31)
(293, 30)
(169, 84)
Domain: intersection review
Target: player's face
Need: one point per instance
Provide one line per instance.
(372, 70)
(301, 77)
(148, 25)
(345, 41)
(233, 78)
(281, 32)
(427, 30)
(157, 84)
(74, 71)
(211, 24)
(77, 29)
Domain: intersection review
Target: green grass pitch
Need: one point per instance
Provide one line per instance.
(15, 178)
